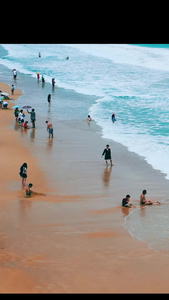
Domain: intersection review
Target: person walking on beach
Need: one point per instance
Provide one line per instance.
(23, 174)
(12, 89)
(143, 200)
(33, 117)
(107, 153)
(43, 80)
(50, 128)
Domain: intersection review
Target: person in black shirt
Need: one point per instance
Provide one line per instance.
(107, 153)
(125, 201)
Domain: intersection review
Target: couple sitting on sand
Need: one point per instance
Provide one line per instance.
(143, 201)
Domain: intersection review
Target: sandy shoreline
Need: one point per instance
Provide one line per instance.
(73, 240)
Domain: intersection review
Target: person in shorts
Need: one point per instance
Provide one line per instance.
(50, 129)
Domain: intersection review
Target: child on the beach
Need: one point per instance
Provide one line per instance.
(125, 201)
(25, 125)
(29, 192)
(143, 200)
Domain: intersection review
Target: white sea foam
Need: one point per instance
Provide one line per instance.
(129, 80)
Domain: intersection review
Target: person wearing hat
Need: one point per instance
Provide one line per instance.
(107, 155)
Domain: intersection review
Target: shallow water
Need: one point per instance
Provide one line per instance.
(129, 80)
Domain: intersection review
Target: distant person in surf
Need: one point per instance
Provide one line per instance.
(14, 73)
(49, 98)
(43, 80)
(143, 200)
(89, 118)
(107, 155)
(113, 117)
(53, 82)
(39, 54)
(67, 57)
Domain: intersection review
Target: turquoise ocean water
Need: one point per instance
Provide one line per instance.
(130, 80)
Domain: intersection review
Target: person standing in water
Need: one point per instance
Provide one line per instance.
(50, 128)
(33, 117)
(12, 89)
(107, 153)
(113, 117)
(49, 98)
(23, 174)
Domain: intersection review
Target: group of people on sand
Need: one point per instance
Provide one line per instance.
(126, 200)
(143, 200)
(23, 175)
(19, 117)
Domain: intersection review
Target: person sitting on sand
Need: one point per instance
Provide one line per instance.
(125, 201)
(29, 192)
(25, 125)
(143, 200)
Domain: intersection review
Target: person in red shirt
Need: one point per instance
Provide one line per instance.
(25, 125)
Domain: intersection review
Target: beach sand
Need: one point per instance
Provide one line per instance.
(73, 240)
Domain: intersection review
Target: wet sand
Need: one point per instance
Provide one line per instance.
(73, 239)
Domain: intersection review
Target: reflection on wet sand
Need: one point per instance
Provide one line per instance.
(107, 175)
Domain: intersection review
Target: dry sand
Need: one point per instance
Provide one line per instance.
(69, 242)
